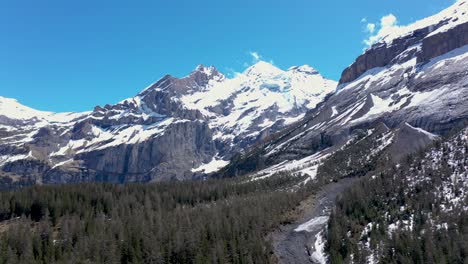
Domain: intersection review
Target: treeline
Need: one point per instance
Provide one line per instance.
(413, 212)
(214, 221)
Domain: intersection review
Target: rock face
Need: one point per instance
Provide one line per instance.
(380, 55)
(417, 86)
(161, 158)
(442, 43)
(175, 129)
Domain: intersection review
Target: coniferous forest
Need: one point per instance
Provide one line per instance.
(213, 221)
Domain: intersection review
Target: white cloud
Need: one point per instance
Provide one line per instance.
(370, 27)
(256, 57)
(388, 26)
(388, 21)
(251, 58)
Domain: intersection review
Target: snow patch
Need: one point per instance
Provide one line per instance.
(334, 111)
(313, 224)
(214, 165)
(307, 165)
(420, 130)
(319, 255)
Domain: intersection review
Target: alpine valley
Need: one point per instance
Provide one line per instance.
(288, 166)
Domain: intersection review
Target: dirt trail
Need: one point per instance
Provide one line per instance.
(294, 243)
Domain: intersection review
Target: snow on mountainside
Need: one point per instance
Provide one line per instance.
(174, 129)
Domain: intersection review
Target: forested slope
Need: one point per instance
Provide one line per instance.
(413, 212)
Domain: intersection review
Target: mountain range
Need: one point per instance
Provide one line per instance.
(411, 85)
(177, 128)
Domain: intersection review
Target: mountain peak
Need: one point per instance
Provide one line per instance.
(12, 108)
(262, 68)
(304, 68)
(210, 71)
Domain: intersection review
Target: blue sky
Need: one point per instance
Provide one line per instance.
(60, 55)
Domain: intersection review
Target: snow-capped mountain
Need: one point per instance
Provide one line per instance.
(174, 129)
(413, 81)
(242, 108)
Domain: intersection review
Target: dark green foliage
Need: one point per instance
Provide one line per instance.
(214, 221)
